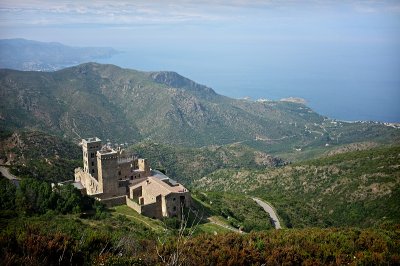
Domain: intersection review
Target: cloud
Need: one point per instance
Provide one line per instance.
(101, 12)
(144, 12)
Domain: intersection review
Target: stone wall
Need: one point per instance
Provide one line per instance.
(152, 210)
(174, 202)
(133, 205)
(125, 170)
(115, 201)
(87, 181)
(108, 174)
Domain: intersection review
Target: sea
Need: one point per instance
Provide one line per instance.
(347, 89)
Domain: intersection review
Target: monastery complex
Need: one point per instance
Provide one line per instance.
(115, 178)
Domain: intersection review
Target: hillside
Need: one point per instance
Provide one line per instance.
(189, 164)
(27, 55)
(40, 155)
(50, 157)
(127, 106)
(39, 225)
(360, 188)
(118, 240)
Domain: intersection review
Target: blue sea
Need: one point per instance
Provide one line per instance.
(335, 85)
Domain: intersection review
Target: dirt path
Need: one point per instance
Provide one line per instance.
(268, 208)
(143, 221)
(215, 221)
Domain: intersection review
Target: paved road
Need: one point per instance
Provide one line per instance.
(6, 173)
(268, 208)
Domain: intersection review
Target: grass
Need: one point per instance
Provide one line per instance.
(236, 210)
(210, 228)
(132, 215)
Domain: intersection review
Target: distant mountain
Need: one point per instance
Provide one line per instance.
(126, 105)
(21, 54)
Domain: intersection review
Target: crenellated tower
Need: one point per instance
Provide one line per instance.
(107, 161)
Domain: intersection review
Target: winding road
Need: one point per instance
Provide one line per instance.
(268, 208)
(6, 173)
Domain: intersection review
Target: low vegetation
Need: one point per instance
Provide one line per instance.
(352, 194)
(238, 210)
(34, 197)
(350, 189)
(70, 240)
(189, 164)
(129, 106)
(39, 155)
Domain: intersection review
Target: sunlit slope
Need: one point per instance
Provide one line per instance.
(126, 106)
(359, 188)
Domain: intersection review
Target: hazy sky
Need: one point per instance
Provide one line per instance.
(118, 22)
(257, 48)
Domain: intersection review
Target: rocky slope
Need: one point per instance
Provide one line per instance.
(39, 155)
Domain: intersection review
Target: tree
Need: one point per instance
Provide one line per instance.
(7, 195)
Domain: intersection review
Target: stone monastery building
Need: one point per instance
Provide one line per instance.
(116, 178)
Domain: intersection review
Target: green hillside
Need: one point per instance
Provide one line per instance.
(40, 155)
(359, 188)
(189, 164)
(127, 106)
(118, 240)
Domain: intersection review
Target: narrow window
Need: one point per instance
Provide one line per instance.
(92, 171)
(92, 163)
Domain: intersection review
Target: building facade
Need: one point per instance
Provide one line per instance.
(112, 176)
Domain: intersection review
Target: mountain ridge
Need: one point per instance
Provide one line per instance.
(127, 105)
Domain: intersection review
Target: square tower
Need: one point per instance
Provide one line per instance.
(144, 166)
(90, 147)
(107, 160)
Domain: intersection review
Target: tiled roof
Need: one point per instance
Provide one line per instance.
(159, 183)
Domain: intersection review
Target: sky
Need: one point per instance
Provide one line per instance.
(343, 57)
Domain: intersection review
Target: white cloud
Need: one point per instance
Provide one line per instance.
(119, 13)
(103, 12)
